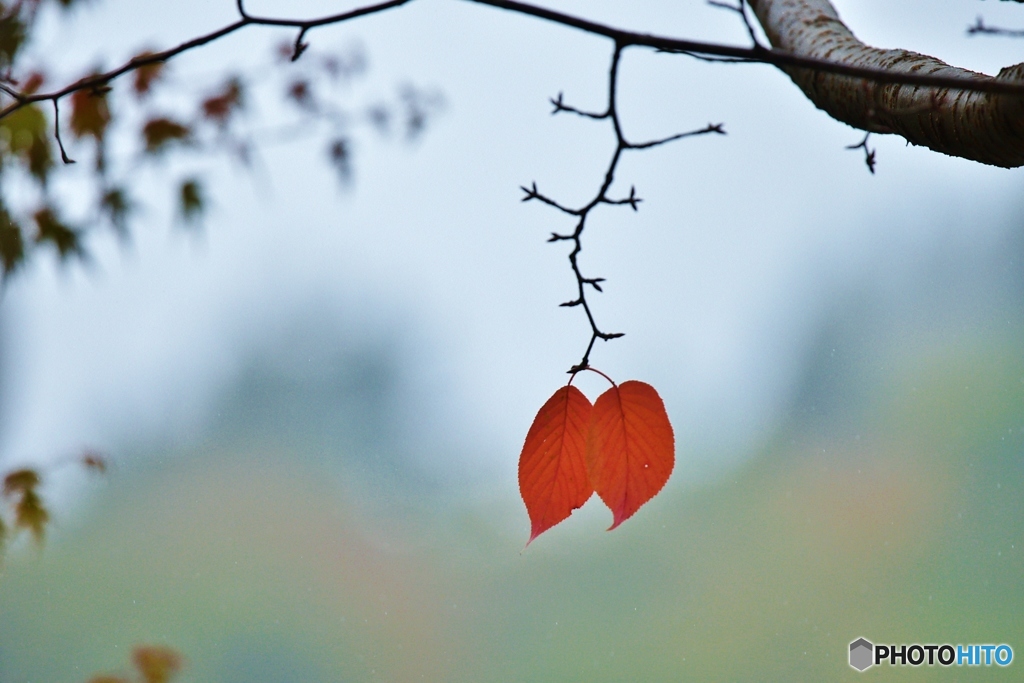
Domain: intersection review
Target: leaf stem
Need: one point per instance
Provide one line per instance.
(593, 369)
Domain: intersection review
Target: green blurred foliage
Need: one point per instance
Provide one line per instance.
(50, 229)
(12, 35)
(160, 132)
(191, 201)
(25, 135)
(21, 487)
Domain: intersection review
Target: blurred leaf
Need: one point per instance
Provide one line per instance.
(284, 51)
(89, 113)
(12, 244)
(159, 132)
(51, 229)
(114, 204)
(12, 34)
(191, 200)
(156, 664)
(92, 460)
(34, 81)
(419, 105)
(219, 107)
(108, 679)
(40, 157)
(299, 91)
(30, 514)
(344, 66)
(28, 138)
(380, 118)
(415, 112)
(341, 158)
(145, 76)
(3, 535)
(20, 481)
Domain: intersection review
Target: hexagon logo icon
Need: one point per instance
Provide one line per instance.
(861, 654)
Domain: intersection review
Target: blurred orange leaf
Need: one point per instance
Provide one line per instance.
(20, 481)
(29, 514)
(220, 107)
(301, 93)
(92, 460)
(34, 81)
(630, 448)
(156, 664)
(552, 467)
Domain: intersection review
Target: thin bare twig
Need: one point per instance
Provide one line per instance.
(601, 197)
(980, 27)
(740, 8)
(869, 154)
(560, 106)
(56, 133)
(710, 128)
(712, 60)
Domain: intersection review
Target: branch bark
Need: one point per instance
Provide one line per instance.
(984, 127)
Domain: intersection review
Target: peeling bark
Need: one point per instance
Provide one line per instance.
(982, 127)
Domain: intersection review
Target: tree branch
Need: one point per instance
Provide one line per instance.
(964, 80)
(973, 123)
(980, 27)
(581, 214)
(968, 81)
(927, 101)
(101, 79)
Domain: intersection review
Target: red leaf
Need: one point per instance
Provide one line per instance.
(552, 467)
(630, 448)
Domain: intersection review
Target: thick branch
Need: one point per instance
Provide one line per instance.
(964, 80)
(984, 127)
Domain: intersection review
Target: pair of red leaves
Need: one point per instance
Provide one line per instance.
(622, 447)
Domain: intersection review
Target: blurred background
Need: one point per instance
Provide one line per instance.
(313, 407)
